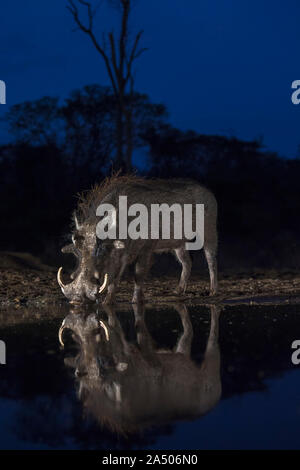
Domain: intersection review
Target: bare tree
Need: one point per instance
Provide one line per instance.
(119, 55)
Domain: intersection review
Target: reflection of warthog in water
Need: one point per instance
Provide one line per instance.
(128, 387)
(101, 263)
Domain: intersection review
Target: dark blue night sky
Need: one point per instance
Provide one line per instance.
(220, 66)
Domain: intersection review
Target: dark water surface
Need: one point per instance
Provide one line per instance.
(169, 377)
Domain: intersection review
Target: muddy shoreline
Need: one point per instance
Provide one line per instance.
(24, 286)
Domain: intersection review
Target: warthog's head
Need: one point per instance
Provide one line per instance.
(98, 262)
(109, 371)
(103, 355)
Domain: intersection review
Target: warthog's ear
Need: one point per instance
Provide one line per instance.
(119, 245)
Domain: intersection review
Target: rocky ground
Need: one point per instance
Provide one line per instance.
(24, 281)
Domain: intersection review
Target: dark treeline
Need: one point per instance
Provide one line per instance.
(61, 148)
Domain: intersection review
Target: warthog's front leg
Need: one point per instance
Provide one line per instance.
(142, 267)
(113, 284)
(110, 296)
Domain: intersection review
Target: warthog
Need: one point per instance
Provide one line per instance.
(101, 263)
(129, 387)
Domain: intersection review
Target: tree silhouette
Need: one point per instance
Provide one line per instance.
(35, 122)
(118, 55)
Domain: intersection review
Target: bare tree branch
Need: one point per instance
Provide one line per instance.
(118, 58)
(90, 12)
(134, 54)
(123, 35)
(74, 11)
(113, 55)
(89, 31)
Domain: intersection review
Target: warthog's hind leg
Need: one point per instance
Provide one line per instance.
(211, 258)
(184, 259)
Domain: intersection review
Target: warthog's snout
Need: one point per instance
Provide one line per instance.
(82, 287)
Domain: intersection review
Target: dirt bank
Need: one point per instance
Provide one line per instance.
(26, 281)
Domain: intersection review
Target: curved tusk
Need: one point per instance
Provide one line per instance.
(102, 324)
(61, 284)
(104, 284)
(60, 333)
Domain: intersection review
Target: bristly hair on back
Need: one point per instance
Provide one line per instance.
(89, 200)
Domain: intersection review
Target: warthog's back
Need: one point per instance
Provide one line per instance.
(167, 194)
(147, 192)
(165, 191)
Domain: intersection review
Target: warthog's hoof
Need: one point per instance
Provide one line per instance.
(180, 290)
(212, 293)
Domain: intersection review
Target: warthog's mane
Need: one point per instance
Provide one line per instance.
(89, 200)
